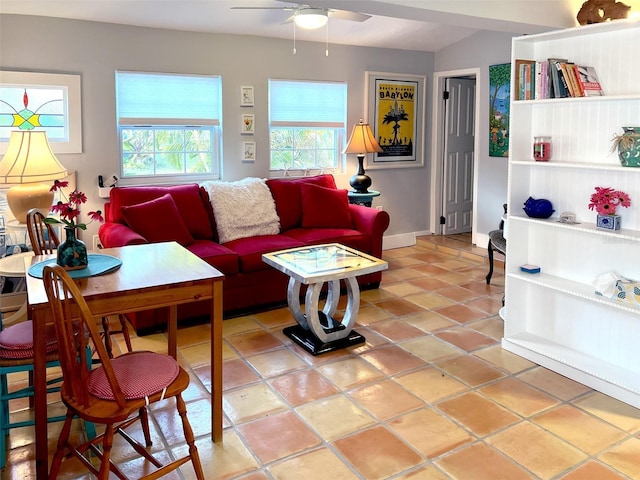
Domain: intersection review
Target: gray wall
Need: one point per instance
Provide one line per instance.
(480, 51)
(97, 50)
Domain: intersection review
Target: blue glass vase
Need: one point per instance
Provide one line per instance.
(72, 253)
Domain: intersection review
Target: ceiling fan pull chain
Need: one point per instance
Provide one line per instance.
(326, 52)
(294, 35)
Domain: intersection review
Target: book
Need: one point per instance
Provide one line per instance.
(589, 81)
(576, 74)
(556, 90)
(542, 84)
(524, 81)
(572, 81)
(562, 82)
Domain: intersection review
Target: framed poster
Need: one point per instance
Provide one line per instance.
(395, 109)
(499, 93)
(46, 101)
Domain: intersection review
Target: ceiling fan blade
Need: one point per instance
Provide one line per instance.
(263, 8)
(347, 15)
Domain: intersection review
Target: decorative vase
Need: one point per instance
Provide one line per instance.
(629, 147)
(609, 222)
(540, 208)
(72, 253)
(360, 181)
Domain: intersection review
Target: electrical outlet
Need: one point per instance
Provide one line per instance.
(96, 243)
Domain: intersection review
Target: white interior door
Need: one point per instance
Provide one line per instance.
(457, 201)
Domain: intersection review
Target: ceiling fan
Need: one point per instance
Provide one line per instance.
(310, 17)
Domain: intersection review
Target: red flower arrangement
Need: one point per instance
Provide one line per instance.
(69, 210)
(606, 200)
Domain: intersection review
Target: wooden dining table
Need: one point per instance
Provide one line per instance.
(156, 275)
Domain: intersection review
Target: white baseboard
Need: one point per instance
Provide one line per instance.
(390, 242)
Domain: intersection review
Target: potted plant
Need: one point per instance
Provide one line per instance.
(605, 201)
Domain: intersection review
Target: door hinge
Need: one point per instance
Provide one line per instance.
(442, 221)
(445, 95)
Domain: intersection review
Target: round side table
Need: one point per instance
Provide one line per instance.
(364, 199)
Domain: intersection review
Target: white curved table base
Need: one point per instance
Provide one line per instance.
(317, 330)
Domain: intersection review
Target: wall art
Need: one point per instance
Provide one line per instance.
(43, 101)
(395, 109)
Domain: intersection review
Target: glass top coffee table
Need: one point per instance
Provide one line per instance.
(317, 331)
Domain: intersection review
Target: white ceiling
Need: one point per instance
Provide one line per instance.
(422, 25)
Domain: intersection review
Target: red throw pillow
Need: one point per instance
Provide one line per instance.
(158, 220)
(286, 194)
(324, 207)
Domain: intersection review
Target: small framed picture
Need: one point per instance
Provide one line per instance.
(246, 96)
(247, 127)
(248, 151)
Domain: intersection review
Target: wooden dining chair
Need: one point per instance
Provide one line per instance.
(112, 392)
(16, 355)
(44, 241)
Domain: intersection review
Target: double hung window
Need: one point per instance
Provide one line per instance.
(307, 123)
(169, 124)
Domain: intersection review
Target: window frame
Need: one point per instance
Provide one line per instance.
(338, 126)
(177, 122)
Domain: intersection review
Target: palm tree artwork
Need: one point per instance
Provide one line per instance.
(398, 144)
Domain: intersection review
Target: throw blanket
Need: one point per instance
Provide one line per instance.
(243, 209)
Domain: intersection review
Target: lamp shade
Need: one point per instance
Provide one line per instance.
(362, 140)
(27, 163)
(29, 159)
(311, 18)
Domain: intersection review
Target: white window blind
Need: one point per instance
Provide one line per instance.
(305, 103)
(168, 99)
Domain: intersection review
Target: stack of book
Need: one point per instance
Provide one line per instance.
(554, 78)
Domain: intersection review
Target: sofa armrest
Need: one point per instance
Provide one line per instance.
(372, 221)
(118, 235)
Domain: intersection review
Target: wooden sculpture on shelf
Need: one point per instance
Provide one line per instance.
(596, 11)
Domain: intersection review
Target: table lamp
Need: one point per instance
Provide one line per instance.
(27, 163)
(361, 142)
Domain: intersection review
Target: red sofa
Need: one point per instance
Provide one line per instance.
(310, 210)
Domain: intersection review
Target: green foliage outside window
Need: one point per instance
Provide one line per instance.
(166, 151)
(304, 148)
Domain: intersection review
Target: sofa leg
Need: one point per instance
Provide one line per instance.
(490, 250)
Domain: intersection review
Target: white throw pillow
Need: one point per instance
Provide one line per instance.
(243, 209)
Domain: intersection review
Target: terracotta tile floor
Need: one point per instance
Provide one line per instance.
(431, 395)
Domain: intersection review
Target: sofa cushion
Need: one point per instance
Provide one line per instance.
(286, 194)
(158, 220)
(186, 197)
(243, 209)
(316, 236)
(250, 250)
(216, 255)
(324, 207)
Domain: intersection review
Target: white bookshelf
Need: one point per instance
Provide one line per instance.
(555, 318)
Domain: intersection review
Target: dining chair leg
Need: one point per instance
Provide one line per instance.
(107, 443)
(144, 421)
(125, 332)
(4, 418)
(62, 443)
(108, 343)
(188, 435)
(490, 251)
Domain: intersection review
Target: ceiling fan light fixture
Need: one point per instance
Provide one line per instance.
(311, 18)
